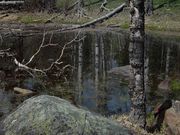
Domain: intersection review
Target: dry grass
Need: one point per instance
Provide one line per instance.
(123, 119)
(165, 19)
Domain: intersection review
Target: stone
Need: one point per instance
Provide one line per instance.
(49, 115)
(123, 72)
(172, 118)
(164, 85)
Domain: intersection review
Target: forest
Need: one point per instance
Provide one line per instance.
(89, 67)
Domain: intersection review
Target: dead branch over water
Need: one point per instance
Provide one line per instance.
(26, 66)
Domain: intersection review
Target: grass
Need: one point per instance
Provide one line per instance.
(175, 87)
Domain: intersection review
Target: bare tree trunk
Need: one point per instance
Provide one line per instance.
(103, 57)
(96, 63)
(149, 7)
(96, 79)
(80, 61)
(167, 62)
(80, 10)
(136, 56)
(146, 67)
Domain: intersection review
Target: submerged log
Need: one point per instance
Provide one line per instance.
(23, 92)
(6, 5)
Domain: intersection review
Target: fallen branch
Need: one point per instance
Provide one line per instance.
(58, 61)
(98, 20)
(4, 3)
(21, 66)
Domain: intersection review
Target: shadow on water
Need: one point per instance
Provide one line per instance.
(98, 75)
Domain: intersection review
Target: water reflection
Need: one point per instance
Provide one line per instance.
(95, 81)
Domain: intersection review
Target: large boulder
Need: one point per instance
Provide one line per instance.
(49, 115)
(172, 118)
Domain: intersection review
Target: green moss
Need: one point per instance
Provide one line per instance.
(125, 25)
(30, 19)
(150, 118)
(155, 27)
(175, 85)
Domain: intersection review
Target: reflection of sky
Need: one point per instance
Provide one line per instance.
(119, 100)
(116, 97)
(89, 94)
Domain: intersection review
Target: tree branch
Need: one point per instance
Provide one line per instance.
(98, 20)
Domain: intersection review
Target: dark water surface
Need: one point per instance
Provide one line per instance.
(92, 80)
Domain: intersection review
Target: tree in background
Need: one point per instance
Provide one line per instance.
(149, 7)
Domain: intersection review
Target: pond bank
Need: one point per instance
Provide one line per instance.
(39, 28)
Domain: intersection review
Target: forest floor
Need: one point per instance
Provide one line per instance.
(163, 19)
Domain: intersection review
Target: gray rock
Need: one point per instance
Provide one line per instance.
(48, 115)
(172, 118)
(122, 72)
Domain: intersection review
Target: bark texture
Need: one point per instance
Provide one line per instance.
(136, 56)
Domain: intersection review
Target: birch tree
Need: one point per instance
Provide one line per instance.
(136, 57)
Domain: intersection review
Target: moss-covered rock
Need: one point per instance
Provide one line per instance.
(48, 115)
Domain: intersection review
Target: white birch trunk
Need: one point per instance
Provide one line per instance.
(136, 56)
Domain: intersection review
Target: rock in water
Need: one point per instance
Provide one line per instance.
(49, 115)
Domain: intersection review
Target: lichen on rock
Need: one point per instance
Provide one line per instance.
(49, 115)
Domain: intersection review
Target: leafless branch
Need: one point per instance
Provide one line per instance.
(58, 61)
(103, 6)
(21, 66)
(37, 52)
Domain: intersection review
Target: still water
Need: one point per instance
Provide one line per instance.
(97, 69)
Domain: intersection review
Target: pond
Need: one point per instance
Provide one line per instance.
(95, 69)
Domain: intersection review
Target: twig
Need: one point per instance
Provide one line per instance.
(103, 6)
(62, 52)
(37, 52)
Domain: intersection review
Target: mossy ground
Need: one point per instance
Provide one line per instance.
(166, 18)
